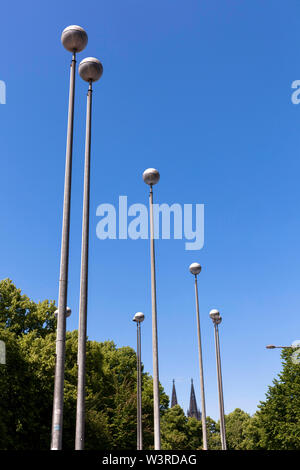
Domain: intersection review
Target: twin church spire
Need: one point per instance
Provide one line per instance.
(193, 411)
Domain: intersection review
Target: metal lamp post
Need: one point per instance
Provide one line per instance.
(295, 357)
(151, 177)
(216, 318)
(74, 39)
(90, 70)
(195, 269)
(139, 318)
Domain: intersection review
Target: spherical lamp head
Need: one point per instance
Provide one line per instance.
(151, 176)
(90, 69)
(139, 317)
(74, 38)
(214, 314)
(68, 312)
(195, 268)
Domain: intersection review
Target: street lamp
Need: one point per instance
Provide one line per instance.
(90, 70)
(195, 269)
(295, 357)
(216, 318)
(139, 318)
(74, 39)
(151, 177)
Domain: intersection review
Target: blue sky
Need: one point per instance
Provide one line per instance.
(200, 90)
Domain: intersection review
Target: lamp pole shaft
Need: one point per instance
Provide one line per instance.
(203, 410)
(139, 390)
(58, 399)
(80, 411)
(220, 388)
(154, 332)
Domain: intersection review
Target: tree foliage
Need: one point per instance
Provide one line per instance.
(174, 429)
(277, 422)
(27, 383)
(178, 432)
(235, 424)
(21, 315)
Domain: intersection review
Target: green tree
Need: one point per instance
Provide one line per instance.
(178, 432)
(235, 423)
(21, 322)
(174, 429)
(277, 422)
(27, 382)
(22, 315)
(254, 434)
(194, 430)
(213, 434)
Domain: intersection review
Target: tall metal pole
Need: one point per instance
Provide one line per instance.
(137, 390)
(89, 75)
(57, 416)
(220, 387)
(138, 318)
(140, 390)
(203, 408)
(154, 331)
(216, 318)
(80, 412)
(74, 39)
(151, 176)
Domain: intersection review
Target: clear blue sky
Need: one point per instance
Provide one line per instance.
(200, 90)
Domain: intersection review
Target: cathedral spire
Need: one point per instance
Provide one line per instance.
(174, 396)
(193, 411)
